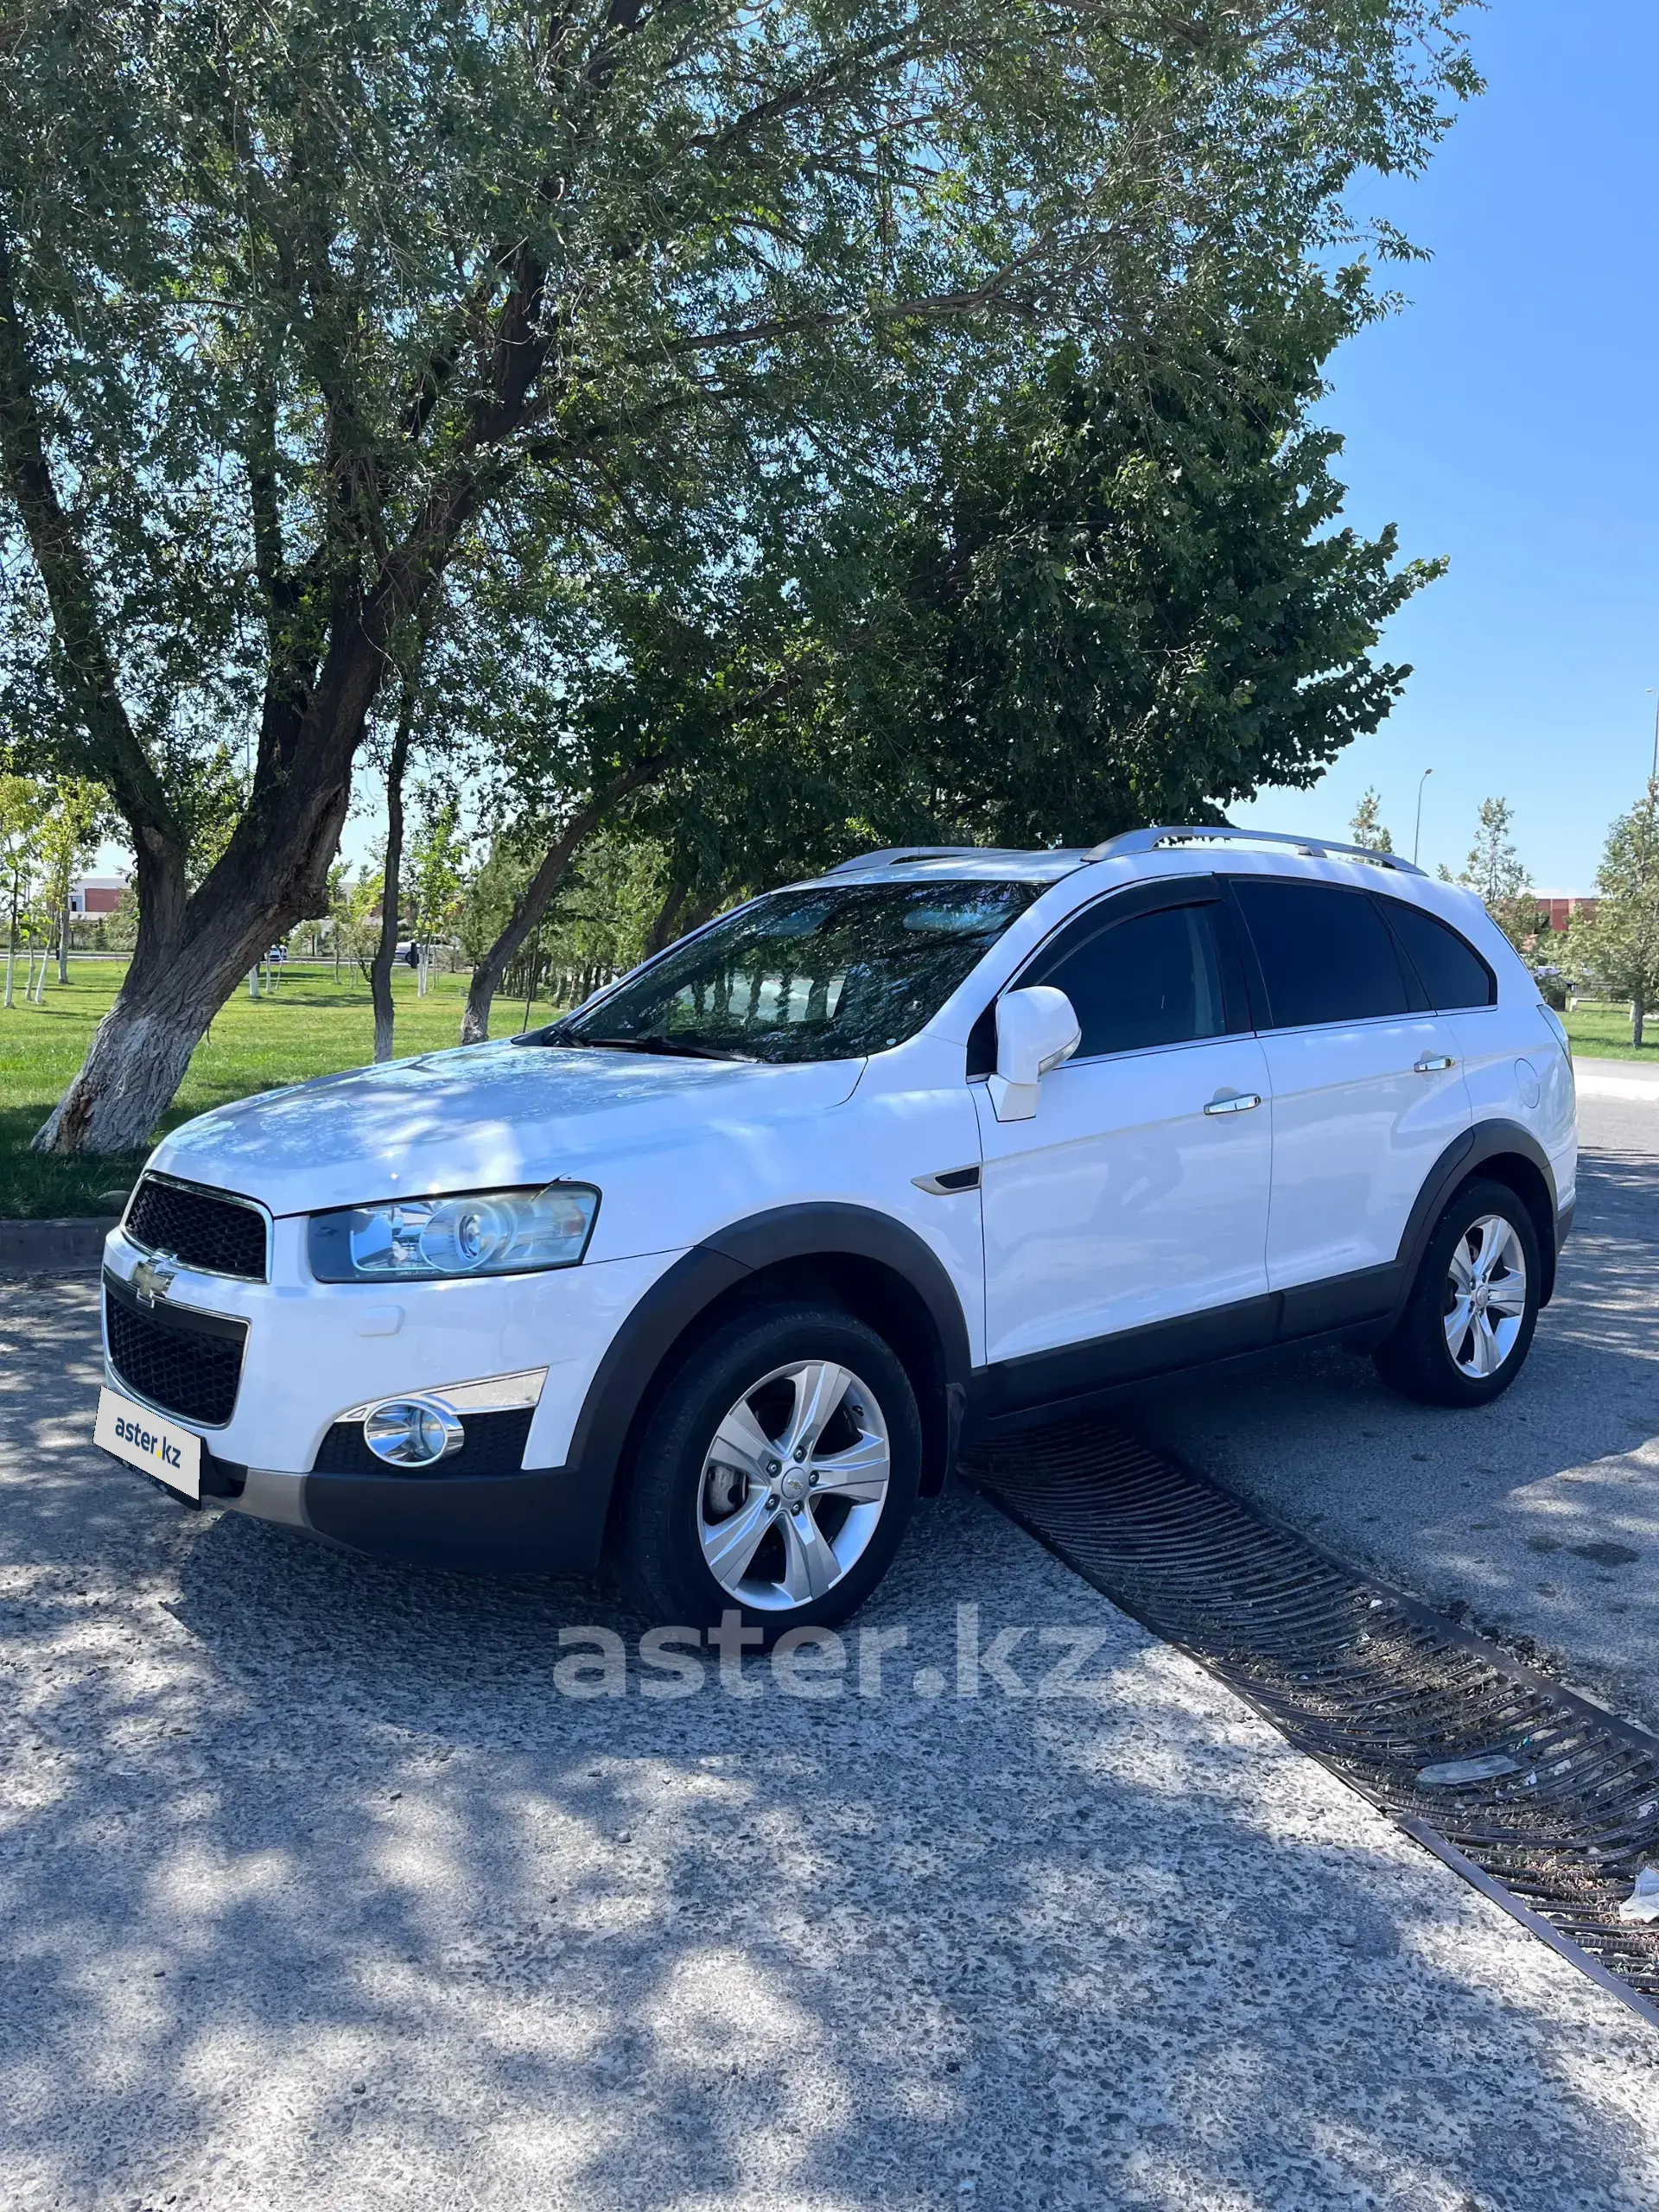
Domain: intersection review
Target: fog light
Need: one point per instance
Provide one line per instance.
(413, 1432)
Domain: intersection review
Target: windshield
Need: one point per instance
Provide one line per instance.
(827, 974)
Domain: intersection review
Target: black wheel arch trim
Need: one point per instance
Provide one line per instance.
(1486, 1140)
(720, 1264)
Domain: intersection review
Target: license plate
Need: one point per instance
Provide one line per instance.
(143, 1439)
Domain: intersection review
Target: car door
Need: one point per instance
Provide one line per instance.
(1366, 1087)
(1138, 1192)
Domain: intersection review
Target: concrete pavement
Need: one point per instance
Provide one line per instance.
(1537, 1516)
(326, 1885)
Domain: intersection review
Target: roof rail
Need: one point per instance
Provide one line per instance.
(889, 854)
(1318, 849)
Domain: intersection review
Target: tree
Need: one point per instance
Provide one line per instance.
(1127, 603)
(1496, 870)
(68, 840)
(1116, 597)
(357, 925)
(23, 807)
(1619, 943)
(437, 869)
(297, 302)
(1367, 829)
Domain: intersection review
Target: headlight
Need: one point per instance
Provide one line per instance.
(480, 1233)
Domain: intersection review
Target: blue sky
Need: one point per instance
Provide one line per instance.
(1508, 418)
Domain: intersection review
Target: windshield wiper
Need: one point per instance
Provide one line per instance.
(678, 1048)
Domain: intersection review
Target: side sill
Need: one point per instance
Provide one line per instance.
(1352, 1309)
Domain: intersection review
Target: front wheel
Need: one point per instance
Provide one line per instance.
(1469, 1320)
(776, 1477)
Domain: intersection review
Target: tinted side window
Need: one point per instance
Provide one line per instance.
(1325, 953)
(1450, 971)
(1153, 980)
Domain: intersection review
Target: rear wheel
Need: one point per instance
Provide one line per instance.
(1468, 1323)
(776, 1477)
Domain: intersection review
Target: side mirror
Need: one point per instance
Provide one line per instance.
(1036, 1030)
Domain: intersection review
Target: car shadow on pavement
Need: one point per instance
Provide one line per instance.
(321, 1887)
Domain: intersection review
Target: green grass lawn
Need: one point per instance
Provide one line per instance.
(313, 1026)
(1600, 1030)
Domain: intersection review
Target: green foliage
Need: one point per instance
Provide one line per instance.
(69, 834)
(1143, 612)
(1367, 827)
(436, 865)
(121, 930)
(601, 919)
(1618, 945)
(354, 916)
(1496, 870)
(1120, 596)
(309, 288)
(605, 917)
(308, 308)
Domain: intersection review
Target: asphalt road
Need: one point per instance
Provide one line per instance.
(319, 1888)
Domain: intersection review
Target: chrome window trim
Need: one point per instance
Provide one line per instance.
(201, 1191)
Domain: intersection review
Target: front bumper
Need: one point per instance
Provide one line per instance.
(540, 1521)
(316, 1353)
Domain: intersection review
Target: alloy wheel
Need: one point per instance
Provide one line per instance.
(1486, 1296)
(793, 1483)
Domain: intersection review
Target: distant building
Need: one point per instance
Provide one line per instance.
(94, 895)
(1562, 905)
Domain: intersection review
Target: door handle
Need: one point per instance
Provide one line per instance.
(1433, 1063)
(1237, 1101)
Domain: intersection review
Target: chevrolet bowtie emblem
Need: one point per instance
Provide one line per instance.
(151, 1282)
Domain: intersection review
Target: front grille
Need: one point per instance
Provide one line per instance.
(188, 1364)
(225, 1236)
(495, 1446)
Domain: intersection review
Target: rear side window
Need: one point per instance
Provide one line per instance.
(1325, 953)
(1452, 972)
(1153, 980)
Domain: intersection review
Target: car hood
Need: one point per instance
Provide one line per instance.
(484, 1115)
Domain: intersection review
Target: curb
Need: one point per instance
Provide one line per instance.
(53, 1248)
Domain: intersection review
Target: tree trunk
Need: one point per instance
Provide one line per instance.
(1638, 1017)
(538, 894)
(192, 954)
(392, 892)
(666, 927)
(63, 941)
(11, 939)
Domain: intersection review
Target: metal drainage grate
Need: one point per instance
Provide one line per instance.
(1560, 1808)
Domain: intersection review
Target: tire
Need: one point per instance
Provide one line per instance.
(787, 1538)
(1453, 1346)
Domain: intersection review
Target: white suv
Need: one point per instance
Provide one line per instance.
(717, 1274)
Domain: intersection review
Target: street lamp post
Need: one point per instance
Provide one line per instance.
(1417, 829)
